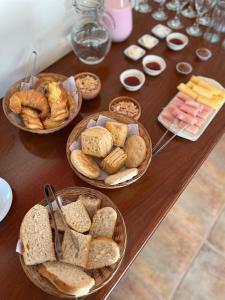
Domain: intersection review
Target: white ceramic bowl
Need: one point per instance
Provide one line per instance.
(177, 35)
(205, 57)
(129, 73)
(154, 58)
(188, 66)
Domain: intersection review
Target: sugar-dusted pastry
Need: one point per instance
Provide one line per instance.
(135, 148)
(30, 98)
(57, 98)
(96, 141)
(84, 164)
(118, 131)
(114, 161)
(30, 118)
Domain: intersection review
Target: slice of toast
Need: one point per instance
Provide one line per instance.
(103, 252)
(70, 252)
(92, 204)
(67, 278)
(76, 216)
(104, 222)
(36, 236)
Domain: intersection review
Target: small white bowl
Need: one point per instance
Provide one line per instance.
(177, 35)
(205, 57)
(129, 73)
(189, 66)
(130, 52)
(152, 41)
(6, 197)
(153, 58)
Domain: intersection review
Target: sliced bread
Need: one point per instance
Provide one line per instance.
(59, 222)
(70, 252)
(36, 236)
(103, 252)
(76, 216)
(67, 278)
(104, 222)
(92, 204)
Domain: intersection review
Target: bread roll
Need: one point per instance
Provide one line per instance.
(114, 161)
(135, 148)
(118, 131)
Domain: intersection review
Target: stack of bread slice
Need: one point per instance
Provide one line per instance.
(92, 226)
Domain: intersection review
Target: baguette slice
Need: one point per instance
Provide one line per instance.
(103, 252)
(76, 216)
(104, 222)
(121, 176)
(69, 279)
(92, 204)
(70, 252)
(36, 236)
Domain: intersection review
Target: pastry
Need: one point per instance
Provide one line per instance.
(84, 164)
(30, 118)
(118, 131)
(96, 141)
(121, 176)
(30, 98)
(41, 84)
(135, 148)
(114, 161)
(50, 123)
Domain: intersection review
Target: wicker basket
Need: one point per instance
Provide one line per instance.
(102, 276)
(15, 88)
(81, 126)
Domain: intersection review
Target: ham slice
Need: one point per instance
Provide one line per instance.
(184, 97)
(166, 114)
(193, 129)
(176, 101)
(203, 114)
(189, 110)
(199, 122)
(193, 103)
(190, 120)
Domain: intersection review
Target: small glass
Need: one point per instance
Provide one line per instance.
(160, 14)
(176, 23)
(189, 12)
(172, 5)
(144, 7)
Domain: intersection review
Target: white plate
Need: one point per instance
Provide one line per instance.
(5, 198)
(189, 136)
(155, 41)
(142, 52)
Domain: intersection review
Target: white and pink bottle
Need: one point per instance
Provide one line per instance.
(121, 11)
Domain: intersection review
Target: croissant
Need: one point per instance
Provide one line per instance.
(49, 123)
(71, 103)
(30, 118)
(57, 98)
(30, 98)
(42, 84)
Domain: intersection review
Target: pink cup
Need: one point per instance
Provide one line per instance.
(121, 11)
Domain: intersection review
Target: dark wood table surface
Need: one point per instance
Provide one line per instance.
(27, 161)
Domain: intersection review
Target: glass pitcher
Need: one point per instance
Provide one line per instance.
(90, 37)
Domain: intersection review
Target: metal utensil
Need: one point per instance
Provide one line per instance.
(29, 75)
(50, 191)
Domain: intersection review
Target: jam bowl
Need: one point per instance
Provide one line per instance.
(177, 41)
(132, 79)
(153, 65)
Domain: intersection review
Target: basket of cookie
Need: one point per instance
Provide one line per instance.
(109, 150)
(43, 104)
(92, 238)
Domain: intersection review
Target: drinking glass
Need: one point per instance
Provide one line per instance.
(189, 12)
(144, 7)
(213, 33)
(202, 7)
(176, 23)
(206, 19)
(172, 5)
(160, 14)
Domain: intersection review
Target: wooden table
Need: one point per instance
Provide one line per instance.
(28, 160)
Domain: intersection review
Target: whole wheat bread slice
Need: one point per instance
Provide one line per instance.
(103, 252)
(36, 236)
(76, 216)
(67, 278)
(104, 222)
(70, 252)
(92, 204)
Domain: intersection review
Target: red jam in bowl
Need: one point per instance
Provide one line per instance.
(132, 81)
(176, 41)
(153, 66)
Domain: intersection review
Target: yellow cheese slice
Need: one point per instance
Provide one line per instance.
(208, 86)
(202, 91)
(190, 84)
(208, 101)
(185, 89)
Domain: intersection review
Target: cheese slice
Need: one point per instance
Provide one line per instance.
(190, 84)
(185, 89)
(206, 85)
(202, 91)
(208, 101)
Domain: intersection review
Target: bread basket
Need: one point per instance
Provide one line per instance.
(102, 276)
(10, 116)
(81, 126)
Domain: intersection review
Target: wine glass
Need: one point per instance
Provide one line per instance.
(205, 20)
(202, 7)
(144, 7)
(189, 12)
(172, 5)
(160, 14)
(176, 23)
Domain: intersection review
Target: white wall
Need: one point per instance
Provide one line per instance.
(26, 25)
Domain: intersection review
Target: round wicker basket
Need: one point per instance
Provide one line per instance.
(102, 276)
(81, 126)
(14, 88)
